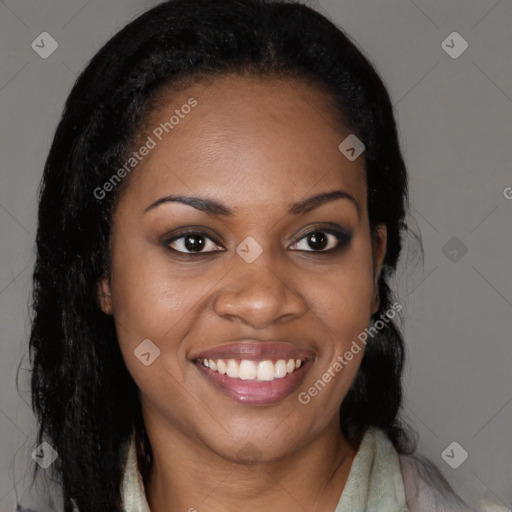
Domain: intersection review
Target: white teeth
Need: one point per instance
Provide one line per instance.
(266, 370)
(252, 370)
(280, 369)
(232, 369)
(247, 370)
(221, 366)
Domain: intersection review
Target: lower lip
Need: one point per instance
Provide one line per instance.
(256, 392)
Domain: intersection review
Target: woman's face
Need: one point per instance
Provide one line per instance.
(267, 276)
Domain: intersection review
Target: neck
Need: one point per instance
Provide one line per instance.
(191, 477)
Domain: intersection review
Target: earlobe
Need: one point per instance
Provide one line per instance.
(104, 295)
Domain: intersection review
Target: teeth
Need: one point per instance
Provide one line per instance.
(247, 370)
(253, 370)
(221, 367)
(232, 369)
(280, 369)
(265, 370)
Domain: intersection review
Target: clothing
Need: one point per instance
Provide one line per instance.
(379, 480)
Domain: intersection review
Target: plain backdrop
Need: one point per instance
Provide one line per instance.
(454, 110)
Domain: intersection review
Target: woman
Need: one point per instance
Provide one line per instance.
(220, 214)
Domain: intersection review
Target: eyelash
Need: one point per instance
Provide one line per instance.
(343, 240)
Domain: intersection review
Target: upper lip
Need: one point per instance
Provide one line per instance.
(256, 350)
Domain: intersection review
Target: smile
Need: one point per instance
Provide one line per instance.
(247, 369)
(255, 382)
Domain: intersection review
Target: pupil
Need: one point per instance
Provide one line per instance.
(317, 240)
(194, 242)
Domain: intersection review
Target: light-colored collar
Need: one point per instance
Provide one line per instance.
(374, 483)
(132, 486)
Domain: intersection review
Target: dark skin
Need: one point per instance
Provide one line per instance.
(255, 145)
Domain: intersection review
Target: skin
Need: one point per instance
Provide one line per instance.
(256, 145)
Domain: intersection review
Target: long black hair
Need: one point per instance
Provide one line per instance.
(84, 398)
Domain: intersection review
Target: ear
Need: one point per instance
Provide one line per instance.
(379, 243)
(104, 295)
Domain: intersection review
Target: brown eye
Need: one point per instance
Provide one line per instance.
(192, 242)
(323, 240)
(317, 240)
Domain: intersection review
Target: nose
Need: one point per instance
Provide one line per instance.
(258, 294)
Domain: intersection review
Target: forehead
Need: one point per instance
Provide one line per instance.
(247, 140)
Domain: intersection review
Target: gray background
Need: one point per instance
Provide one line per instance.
(454, 116)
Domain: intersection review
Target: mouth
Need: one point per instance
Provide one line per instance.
(255, 373)
(245, 369)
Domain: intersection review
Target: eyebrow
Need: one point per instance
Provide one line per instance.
(212, 207)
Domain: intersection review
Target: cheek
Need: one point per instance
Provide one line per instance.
(342, 311)
(146, 303)
(341, 304)
(343, 300)
(149, 295)
(149, 304)
(156, 300)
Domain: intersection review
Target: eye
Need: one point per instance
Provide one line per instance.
(192, 242)
(323, 240)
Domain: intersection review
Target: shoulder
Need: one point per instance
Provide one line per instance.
(425, 487)
(426, 490)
